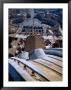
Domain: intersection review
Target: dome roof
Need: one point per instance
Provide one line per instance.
(29, 22)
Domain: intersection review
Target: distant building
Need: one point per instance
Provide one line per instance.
(34, 42)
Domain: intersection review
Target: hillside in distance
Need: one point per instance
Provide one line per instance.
(51, 17)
